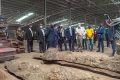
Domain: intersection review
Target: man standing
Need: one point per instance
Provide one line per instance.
(29, 37)
(62, 40)
(52, 37)
(100, 33)
(70, 33)
(90, 35)
(80, 32)
(111, 33)
(84, 40)
(41, 38)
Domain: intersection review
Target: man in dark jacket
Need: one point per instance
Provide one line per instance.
(29, 37)
(41, 38)
(100, 33)
(70, 34)
(52, 37)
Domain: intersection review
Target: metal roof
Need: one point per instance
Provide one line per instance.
(90, 11)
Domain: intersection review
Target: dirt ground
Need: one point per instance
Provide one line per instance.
(29, 56)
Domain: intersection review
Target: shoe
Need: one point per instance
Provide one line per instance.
(98, 51)
(81, 51)
(111, 55)
(114, 52)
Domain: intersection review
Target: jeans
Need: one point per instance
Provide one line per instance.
(90, 44)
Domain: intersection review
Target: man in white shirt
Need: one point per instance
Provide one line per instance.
(80, 35)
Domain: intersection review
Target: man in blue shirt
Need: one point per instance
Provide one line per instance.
(100, 34)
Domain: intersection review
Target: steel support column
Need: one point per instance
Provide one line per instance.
(69, 6)
(45, 13)
(85, 19)
(0, 8)
(95, 21)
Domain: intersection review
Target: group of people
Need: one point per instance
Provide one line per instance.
(70, 38)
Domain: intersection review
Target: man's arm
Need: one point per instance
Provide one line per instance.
(109, 24)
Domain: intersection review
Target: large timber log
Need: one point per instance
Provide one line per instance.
(5, 76)
(118, 48)
(98, 63)
(27, 70)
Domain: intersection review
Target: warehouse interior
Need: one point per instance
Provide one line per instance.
(89, 11)
(17, 63)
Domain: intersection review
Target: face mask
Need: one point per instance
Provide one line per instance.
(41, 26)
(19, 29)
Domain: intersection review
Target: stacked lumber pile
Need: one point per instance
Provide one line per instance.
(19, 45)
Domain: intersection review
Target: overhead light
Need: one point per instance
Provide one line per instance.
(77, 24)
(24, 17)
(61, 25)
(81, 23)
(74, 25)
(60, 21)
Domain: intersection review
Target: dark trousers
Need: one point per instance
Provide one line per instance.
(42, 47)
(30, 46)
(61, 42)
(107, 42)
(84, 44)
(101, 44)
(71, 44)
(113, 43)
(52, 44)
